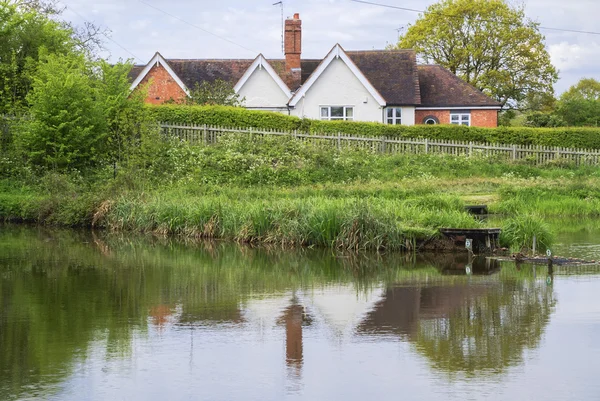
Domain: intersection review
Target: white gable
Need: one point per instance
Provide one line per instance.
(337, 85)
(261, 90)
(262, 87)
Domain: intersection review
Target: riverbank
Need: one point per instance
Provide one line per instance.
(294, 194)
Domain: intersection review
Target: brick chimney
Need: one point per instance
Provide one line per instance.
(293, 50)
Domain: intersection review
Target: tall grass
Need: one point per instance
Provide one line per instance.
(346, 223)
(519, 233)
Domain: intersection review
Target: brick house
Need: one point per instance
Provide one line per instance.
(386, 86)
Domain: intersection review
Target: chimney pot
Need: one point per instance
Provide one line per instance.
(293, 51)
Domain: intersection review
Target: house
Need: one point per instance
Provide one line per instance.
(386, 86)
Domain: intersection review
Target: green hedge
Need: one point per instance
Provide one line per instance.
(575, 137)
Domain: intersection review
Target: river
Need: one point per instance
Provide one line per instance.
(98, 316)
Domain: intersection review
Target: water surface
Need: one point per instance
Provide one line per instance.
(105, 317)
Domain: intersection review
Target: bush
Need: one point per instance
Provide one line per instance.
(518, 233)
(583, 138)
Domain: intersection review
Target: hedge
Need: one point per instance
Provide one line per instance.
(571, 137)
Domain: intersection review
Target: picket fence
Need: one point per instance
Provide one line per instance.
(209, 134)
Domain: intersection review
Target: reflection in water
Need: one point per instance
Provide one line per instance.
(62, 294)
(294, 318)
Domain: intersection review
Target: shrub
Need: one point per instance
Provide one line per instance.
(518, 233)
(574, 137)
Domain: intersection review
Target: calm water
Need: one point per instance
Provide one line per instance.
(102, 317)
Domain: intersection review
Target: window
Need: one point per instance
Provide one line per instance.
(431, 120)
(394, 115)
(337, 113)
(460, 118)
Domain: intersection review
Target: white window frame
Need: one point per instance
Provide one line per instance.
(329, 117)
(462, 118)
(396, 118)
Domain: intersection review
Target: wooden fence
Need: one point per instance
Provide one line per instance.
(208, 134)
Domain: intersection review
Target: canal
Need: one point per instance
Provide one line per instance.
(98, 316)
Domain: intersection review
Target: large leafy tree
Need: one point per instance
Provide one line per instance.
(488, 43)
(81, 114)
(24, 31)
(580, 105)
(28, 27)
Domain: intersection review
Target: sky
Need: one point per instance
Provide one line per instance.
(245, 28)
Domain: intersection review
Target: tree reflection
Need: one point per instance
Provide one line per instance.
(469, 329)
(62, 293)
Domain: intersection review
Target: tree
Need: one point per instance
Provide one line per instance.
(218, 92)
(489, 44)
(23, 32)
(67, 128)
(81, 114)
(580, 104)
(26, 28)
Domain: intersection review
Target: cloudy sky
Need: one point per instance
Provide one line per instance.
(244, 28)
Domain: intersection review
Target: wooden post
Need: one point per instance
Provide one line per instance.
(383, 144)
(204, 134)
(514, 152)
(339, 140)
(470, 149)
(426, 145)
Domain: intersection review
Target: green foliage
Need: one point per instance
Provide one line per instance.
(585, 138)
(519, 232)
(218, 92)
(488, 43)
(540, 119)
(80, 114)
(580, 105)
(26, 33)
(222, 116)
(67, 128)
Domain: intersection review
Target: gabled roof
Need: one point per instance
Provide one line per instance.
(337, 53)
(441, 88)
(392, 72)
(158, 60)
(259, 63)
(192, 71)
(392, 76)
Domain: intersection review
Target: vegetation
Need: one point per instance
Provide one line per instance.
(214, 93)
(584, 138)
(488, 43)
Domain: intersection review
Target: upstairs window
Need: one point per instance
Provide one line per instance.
(394, 115)
(460, 118)
(333, 113)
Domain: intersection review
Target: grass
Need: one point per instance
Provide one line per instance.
(289, 193)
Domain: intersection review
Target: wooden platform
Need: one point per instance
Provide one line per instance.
(483, 240)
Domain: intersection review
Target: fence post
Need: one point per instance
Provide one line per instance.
(514, 152)
(339, 140)
(470, 149)
(204, 134)
(383, 144)
(426, 145)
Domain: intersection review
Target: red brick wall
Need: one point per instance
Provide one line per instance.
(484, 118)
(162, 86)
(479, 118)
(443, 116)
